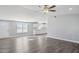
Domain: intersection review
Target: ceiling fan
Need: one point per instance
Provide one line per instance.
(48, 8)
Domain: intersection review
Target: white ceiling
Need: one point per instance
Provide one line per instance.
(19, 13)
(60, 9)
(34, 12)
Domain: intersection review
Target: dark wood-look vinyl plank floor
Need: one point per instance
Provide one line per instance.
(37, 44)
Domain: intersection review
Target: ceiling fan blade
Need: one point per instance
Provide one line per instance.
(52, 10)
(52, 6)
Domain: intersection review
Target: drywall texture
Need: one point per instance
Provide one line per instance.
(64, 26)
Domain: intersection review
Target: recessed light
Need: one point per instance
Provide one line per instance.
(70, 8)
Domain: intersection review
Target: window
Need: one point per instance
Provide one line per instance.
(19, 27)
(25, 27)
(22, 27)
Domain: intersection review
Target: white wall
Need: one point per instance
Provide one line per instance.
(65, 27)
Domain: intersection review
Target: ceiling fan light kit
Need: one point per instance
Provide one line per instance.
(48, 8)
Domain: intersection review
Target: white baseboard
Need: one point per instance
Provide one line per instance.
(64, 39)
